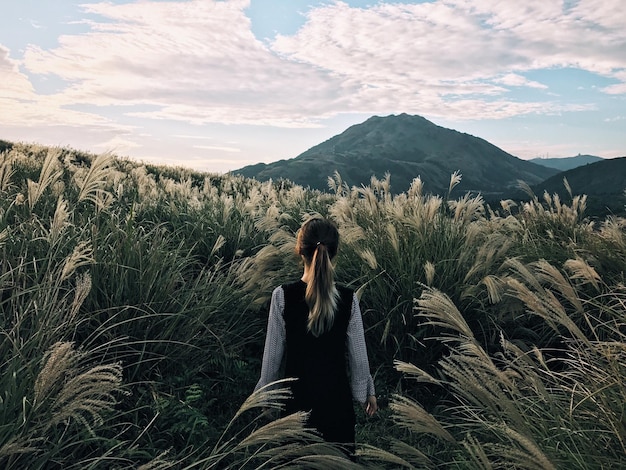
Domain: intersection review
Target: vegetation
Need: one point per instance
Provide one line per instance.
(405, 146)
(133, 302)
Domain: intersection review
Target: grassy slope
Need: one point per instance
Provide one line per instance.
(134, 301)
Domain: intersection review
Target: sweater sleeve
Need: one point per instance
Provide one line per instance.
(274, 340)
(362, 382)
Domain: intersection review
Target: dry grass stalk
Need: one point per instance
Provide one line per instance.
(81, 256)
(91, 186)
(477, 452)
(284, 429)
(415, 372)
(6, 171)
(16, 447)
(579, 269)
(429, 273)
(50, 173)
(158, 463)
(59, 359)
(59, 220)
(455, 179)
(441, 311)
(410, 415)
(369, 453)
(271, 396)
(81, 291)
(529, 455)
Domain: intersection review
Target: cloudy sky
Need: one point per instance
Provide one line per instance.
(216, 85)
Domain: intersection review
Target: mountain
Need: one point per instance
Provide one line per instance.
(567, 163)
(604, 183)
(405, 146)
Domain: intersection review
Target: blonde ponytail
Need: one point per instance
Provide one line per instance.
(317, 243)
(321, 294)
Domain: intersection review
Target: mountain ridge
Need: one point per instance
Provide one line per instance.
(405, 146)
(567, 163)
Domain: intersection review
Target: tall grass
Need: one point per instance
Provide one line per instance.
(133, 301)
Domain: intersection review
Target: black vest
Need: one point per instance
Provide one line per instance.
(319, 363)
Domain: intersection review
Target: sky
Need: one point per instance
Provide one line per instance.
(217, 85)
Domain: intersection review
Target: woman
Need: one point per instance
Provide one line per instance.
(312, 325)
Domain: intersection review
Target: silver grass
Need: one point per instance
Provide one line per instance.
(410, 415)
(91, 185)
(217, 246)
(547, 198)
(455, 179)
(6, 172)
(467, 208)
(613, 229)
(270, 396)
(547, 306)
(59, 220)
(50, 173)
(81, 291)
(86, 396)
(82, 255)
(524, 186)
(579, 269)
(531, 455)
(4, 235)
(285, 429)
(439, 309)
(431, 208)
(495, 288)
(414, 372)
(352, 234)
(567, 186)
(490, 251)
(476, 383)
(429, 273)
(73, 392)
(411, 452)
(524, 364)
(59, 359)
(394, 240)
(14, 447)
(368, 453)
(337, 185)
(523, 271)
(158, 463)
(370, 200)
(508, 205)
(316, 455)
(369, 257)
(549, 274)
(416, 188)
(476, 451)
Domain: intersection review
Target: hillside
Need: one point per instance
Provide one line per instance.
(406, 147)
(603, 182)
(567, 163)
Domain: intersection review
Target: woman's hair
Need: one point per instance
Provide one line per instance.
(317, 242)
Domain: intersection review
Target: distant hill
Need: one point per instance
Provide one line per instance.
(604, 183)
(406, 147)
(566, 163)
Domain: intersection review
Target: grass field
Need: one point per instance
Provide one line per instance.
(133, 302)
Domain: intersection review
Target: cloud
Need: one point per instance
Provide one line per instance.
(198, 62)
(513, 79)
(118, 144)
(195, 61)
(422, 52)
(15, 85)
(215, 147)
